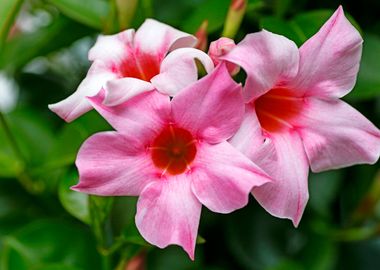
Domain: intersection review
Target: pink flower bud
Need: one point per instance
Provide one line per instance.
(219, 48)
(201, 35)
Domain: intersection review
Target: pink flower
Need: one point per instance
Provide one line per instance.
(129, 63)
(294, 118)
(174, 155)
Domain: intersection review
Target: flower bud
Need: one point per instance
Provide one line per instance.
(219, 48)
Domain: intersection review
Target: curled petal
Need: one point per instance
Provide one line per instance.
(335, 135)
(223, 177)
(120, 90)
(75, 105)
(267, 58)
(211, 108)
(169, 213)
(157, 38)
(179, 70)
(109, 165)
(329, 61)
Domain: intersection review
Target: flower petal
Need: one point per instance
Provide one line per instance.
(335, 135)
(211, 108)
(75, 105)
(141, 117)
(267, 58)
(286, 196)
(157, 38)
(179, 69)
(112, 48)
(249, 138)
(223, 177)
(109, 165)
(120, 90)
(169, 213)
(329, 61)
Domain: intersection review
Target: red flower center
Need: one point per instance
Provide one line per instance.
(173, 150)
(140, 66)
(277, 109)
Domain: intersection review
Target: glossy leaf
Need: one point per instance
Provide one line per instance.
(76, 203)
(8, 12)
(23, 48)
(368, 82)
(92, 13)
(214, 11)
(47, 242)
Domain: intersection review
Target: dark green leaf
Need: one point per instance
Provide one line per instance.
(23, 48)
(280, 26)
(8, 12)
(323, 189)
(47, 242)
(92, 13)
(76, 203)
(368, 83)
(214, 11)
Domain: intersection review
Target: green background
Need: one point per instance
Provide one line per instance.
(44, 226)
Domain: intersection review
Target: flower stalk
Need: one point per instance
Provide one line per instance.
(234, 18)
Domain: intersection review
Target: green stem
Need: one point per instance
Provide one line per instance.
(100, 208)
(357, 234)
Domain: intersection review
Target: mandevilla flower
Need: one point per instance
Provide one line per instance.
(129, 63)
(294, 118)
(174, 156)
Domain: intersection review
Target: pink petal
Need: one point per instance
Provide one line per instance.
(335, 135)
(75, 105)
(249, 138)
(110, 165)
(156, 38)
(120, 90)
(179, 69)
(141, 117)
(286, 196)
(169, 213)
(112, 48)
(211, 108)
(223, 177)
(329, 61)
(267, 58)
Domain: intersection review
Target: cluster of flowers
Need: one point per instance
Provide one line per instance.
(183, 142)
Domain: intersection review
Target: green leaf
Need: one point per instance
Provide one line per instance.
(323, 189)
(280, 26)
(92, 13)
(45, 242)
(23, 48)
(214, 11)
(301, 27)
(76, 203)
(32, 134)
(8, 11)
(368, 82)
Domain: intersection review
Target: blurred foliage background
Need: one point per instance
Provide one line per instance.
(45, 226)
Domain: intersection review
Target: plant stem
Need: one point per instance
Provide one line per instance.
(100, 208)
